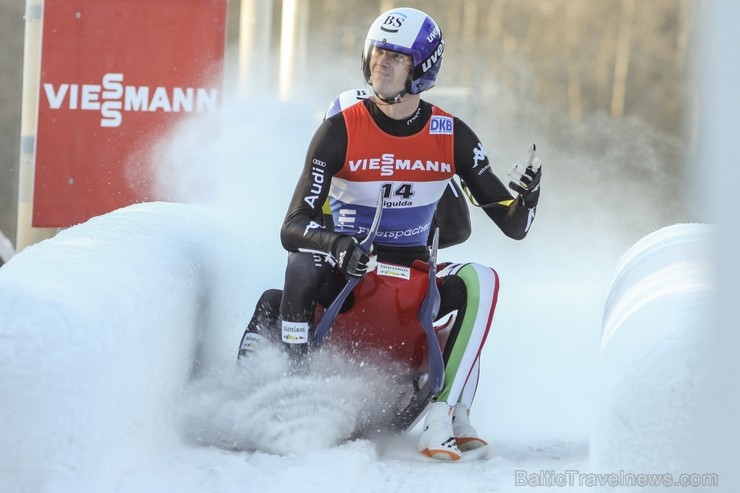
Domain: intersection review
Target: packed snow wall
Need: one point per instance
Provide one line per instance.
(654, 356)
(98, 334)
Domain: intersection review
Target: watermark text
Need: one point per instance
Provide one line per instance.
(573, 478)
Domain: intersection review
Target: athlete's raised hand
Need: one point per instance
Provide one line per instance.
(525, 178)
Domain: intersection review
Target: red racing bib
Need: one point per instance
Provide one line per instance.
(411, 171)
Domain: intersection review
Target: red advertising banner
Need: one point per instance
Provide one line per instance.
(117, 75)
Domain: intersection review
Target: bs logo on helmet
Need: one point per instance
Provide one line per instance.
(393, 22)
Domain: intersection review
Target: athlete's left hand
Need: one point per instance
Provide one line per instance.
(526, 178)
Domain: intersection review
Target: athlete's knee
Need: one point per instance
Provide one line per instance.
(304, 266)
(269, 302)
(473, 320)
(453, 295)
(480, 281)
(264, 322)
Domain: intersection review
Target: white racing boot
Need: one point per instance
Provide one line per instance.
(465, 435)
(437, 440)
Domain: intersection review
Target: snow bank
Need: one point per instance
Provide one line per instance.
(118, 340)
(90, 367)
(654, 354)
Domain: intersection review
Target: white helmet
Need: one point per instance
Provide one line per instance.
(411, 32)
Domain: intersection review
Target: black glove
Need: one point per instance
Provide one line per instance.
(526, 179)
(350, 258)
(528, 187)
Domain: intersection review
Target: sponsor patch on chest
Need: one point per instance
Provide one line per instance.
(440, 125)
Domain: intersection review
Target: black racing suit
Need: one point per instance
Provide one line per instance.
(329, 145)
(303, 282)
(310, 279)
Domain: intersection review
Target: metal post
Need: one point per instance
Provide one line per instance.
(294, 25)
(255, 32)
(25, 233)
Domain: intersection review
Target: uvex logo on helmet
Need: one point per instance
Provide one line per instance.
(431, 62)
(393, 22)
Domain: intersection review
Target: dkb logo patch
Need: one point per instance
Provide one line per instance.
(441, 125)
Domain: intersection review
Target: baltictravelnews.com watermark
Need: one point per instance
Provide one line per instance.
(574, 477)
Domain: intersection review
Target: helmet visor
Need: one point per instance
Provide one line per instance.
(387, 71)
